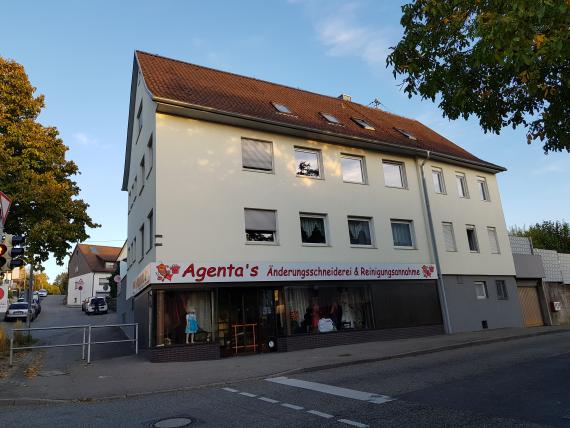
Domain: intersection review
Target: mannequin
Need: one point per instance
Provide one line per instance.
(191, 325)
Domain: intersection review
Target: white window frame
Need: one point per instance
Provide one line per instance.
(363, 171)
(324, 217)
(493, 230)
(474, 229)
(483, 189)
(410, 223)
(281, 108)
(450, 224)
(275, 232)
(370, 230)
(319, 161)
(331, 119)
(109, 265)
(461, 180)
(403, 176)
(263, 171)
(435, 171)
(363, 123)
(481, 285)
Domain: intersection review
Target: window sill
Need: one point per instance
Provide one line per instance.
(397, 187)
(310, 176)
(404, 248)
(364, 183)
(310, 244)
(368, 247)
(474, 252)
(274, 244)
(262, 171)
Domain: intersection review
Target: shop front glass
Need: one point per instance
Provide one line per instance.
(183, 317)
(318, 309)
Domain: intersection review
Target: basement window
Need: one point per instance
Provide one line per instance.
(406, 134)
(364, 124)
(281, 108)
(330, 118)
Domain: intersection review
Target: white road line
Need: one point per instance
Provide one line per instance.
(230, 389)
(247, 394)
(321, 414)
(292, 406)
(333, 390)
(353, 423)
(269, 400)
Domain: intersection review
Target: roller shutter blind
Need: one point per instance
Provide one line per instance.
(260, 220)
(257, 154)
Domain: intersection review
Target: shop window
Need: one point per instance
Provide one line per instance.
(260, 225)
(403, 234)
(326, 309)
(183, 317)
(360, 231)
(394, 174)
(257, 155)
(502, 293)
(313, 229)
(308, 163)
(481, 290)
(353, 169)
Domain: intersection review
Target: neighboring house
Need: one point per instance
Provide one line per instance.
(89, 269)
(261, 209)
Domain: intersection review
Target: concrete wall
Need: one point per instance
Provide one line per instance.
(557, 292)
(467, 312)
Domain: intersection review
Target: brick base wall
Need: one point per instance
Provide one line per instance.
(335, 338)
(180, 353)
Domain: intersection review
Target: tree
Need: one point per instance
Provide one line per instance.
(549, 235)
(61, 281)
(506, 62)
(40, 281)
(113, 286)
(35, 174)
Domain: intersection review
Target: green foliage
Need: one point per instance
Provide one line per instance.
(549, 235)
(40, 281)
(506, 62)
(35, 174)
(61, 281)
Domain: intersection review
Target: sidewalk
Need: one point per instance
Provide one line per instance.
(133, 375)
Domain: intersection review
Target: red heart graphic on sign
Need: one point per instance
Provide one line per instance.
(1, 293)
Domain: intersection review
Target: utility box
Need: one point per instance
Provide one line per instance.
(555, 306)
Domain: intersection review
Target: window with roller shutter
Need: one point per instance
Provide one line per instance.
(449, 237)
(257, 155)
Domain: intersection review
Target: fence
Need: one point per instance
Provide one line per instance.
(86, 343)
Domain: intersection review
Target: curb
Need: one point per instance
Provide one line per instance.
(7, 402)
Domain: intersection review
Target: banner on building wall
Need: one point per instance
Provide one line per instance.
(204, 272)
(3, 298)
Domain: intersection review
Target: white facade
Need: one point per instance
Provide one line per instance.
(92, 284)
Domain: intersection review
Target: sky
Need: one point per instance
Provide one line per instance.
(79, 54)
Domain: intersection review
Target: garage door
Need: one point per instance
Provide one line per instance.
(532, 315)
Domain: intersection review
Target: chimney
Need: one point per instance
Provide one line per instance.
(345, 97)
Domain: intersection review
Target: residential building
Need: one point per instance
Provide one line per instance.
(272, 215)
(89, 269)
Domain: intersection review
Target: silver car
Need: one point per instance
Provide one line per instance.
(19, 311)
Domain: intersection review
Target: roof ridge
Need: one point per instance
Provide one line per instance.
(271, 83)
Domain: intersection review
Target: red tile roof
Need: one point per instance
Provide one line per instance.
(187, 83)
(97, 255)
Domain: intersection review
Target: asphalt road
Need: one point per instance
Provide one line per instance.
(518, 383)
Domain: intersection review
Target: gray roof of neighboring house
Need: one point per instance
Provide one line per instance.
(564, 260)
(551, 264)
(520, 245)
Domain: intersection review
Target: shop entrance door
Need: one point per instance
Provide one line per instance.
(247, 319)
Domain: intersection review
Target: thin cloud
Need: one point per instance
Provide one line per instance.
(85, 139)
(553, 167)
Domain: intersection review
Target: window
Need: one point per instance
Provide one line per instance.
(149, 155)
(394, 174)
(438, 183)
(449, 237)
(502, 293)
(406, 134)
(402, 233)
(330, 118)
(141, 233)
(364, 124)
(257, 155)
(150, 218)
(353, 169)
(135, 188)
(360, 231)
(140, 118)
(493, 240)
(135, 249)
(481, 289)
(462, 185)
(308, 162)
(472, 239)
(142, 174)
(281, 108)
(260, 225)
(313, 229)
(483, 189)
(109, 265)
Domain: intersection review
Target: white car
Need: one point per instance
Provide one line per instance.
(96, 305)
(43, 292)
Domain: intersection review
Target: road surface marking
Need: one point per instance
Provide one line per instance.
(248, 394)
(230, 389)
(292, 406)
(321, 414)
(333, 390)
(269, 400)
(353, 423)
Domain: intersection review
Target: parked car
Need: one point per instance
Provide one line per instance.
(43, 292)
(18, 311)
(84, 304)
(96, 305)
